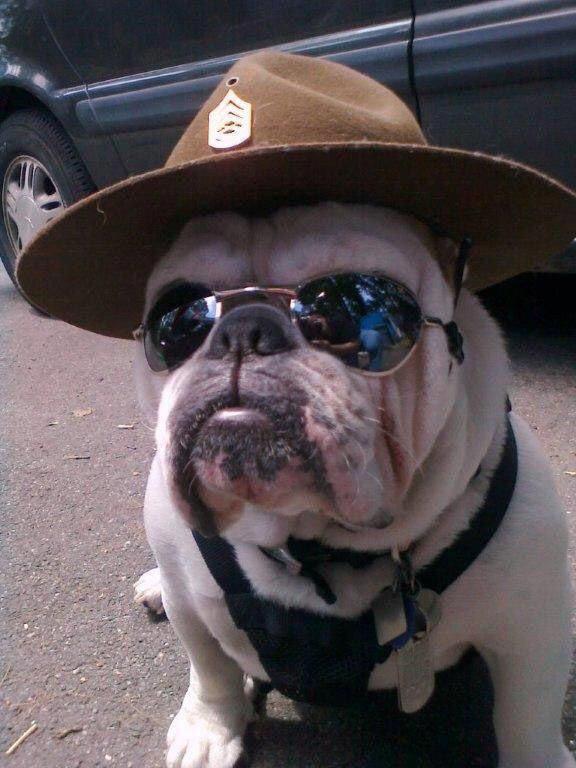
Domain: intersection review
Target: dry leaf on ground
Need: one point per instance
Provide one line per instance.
(80, 412)
(68, 731)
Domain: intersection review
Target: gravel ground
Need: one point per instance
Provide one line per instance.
(100, 679)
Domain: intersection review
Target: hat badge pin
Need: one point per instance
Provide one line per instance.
(230, 123)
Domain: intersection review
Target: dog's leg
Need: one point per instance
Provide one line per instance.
(207, 732)
(148, 591)
(529, 672)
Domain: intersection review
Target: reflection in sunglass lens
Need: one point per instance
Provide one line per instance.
(174, 333)
(369, 322)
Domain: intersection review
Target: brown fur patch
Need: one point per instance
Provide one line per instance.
(225, 510)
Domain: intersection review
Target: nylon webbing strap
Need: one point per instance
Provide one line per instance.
(312, 658)
(452, 562)
(328, 660)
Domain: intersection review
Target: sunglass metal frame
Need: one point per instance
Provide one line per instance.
(287, 296)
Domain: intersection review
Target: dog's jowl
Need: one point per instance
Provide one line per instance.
(342, 501)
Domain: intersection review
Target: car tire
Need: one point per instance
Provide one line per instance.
(35, 135)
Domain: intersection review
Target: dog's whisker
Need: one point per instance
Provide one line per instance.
(363, 451)
(391, 435)
(396, 439)
(188, 465)
(371, 418)
(377, 480)
(355, 475)
(409, 396)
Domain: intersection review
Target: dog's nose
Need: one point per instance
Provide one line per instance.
(252, 329)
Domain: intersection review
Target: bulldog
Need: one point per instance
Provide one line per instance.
(340, 502)
(265, 435)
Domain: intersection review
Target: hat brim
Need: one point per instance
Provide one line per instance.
(90, 265)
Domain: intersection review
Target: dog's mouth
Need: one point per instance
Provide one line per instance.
(257, 451)
(252, 454)
(274, 444)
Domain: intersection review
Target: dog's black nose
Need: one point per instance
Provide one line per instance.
(252, 329)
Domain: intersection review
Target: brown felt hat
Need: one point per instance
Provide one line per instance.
(281, 130)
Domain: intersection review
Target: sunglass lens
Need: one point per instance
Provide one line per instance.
(369, 322)
(174, 333)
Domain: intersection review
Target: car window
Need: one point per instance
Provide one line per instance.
(110, 38)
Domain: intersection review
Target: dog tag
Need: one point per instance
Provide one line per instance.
(415, 674)
(389, 616)
(429, 603)
(414, 665)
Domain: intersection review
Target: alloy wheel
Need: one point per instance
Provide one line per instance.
(30, 199)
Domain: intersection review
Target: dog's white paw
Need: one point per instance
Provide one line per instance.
(203, 741)
(148, 592)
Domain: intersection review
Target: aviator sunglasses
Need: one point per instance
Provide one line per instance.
(369, 321)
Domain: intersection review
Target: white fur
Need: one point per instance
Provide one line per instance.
(513, 603)
(148, 591)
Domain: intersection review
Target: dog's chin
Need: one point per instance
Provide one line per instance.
(241, 457)
(227, 454)
(275, 453)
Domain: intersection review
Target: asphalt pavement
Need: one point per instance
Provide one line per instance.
(100, 680)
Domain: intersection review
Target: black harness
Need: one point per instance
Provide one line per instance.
(328, 660)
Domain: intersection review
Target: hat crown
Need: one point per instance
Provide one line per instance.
(300, 100)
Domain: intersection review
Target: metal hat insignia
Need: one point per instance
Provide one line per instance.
(230, 123)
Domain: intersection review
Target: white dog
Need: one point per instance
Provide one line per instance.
(403, 462)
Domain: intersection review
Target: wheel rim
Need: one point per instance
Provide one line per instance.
(30, 199)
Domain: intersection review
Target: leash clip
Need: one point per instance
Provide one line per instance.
(405, 580)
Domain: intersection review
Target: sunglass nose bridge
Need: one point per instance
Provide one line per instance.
(280, 298)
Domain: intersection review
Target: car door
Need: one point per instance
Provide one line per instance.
(149, 65)
(498, 77)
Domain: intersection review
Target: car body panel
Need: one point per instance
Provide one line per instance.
(34, 70)
(106, 40)
(147, 122)
(499, 77)
(147, 111)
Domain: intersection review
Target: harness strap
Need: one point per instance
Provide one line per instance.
(220, 558)
(452, 562)
(307, 656)
(328, 660)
